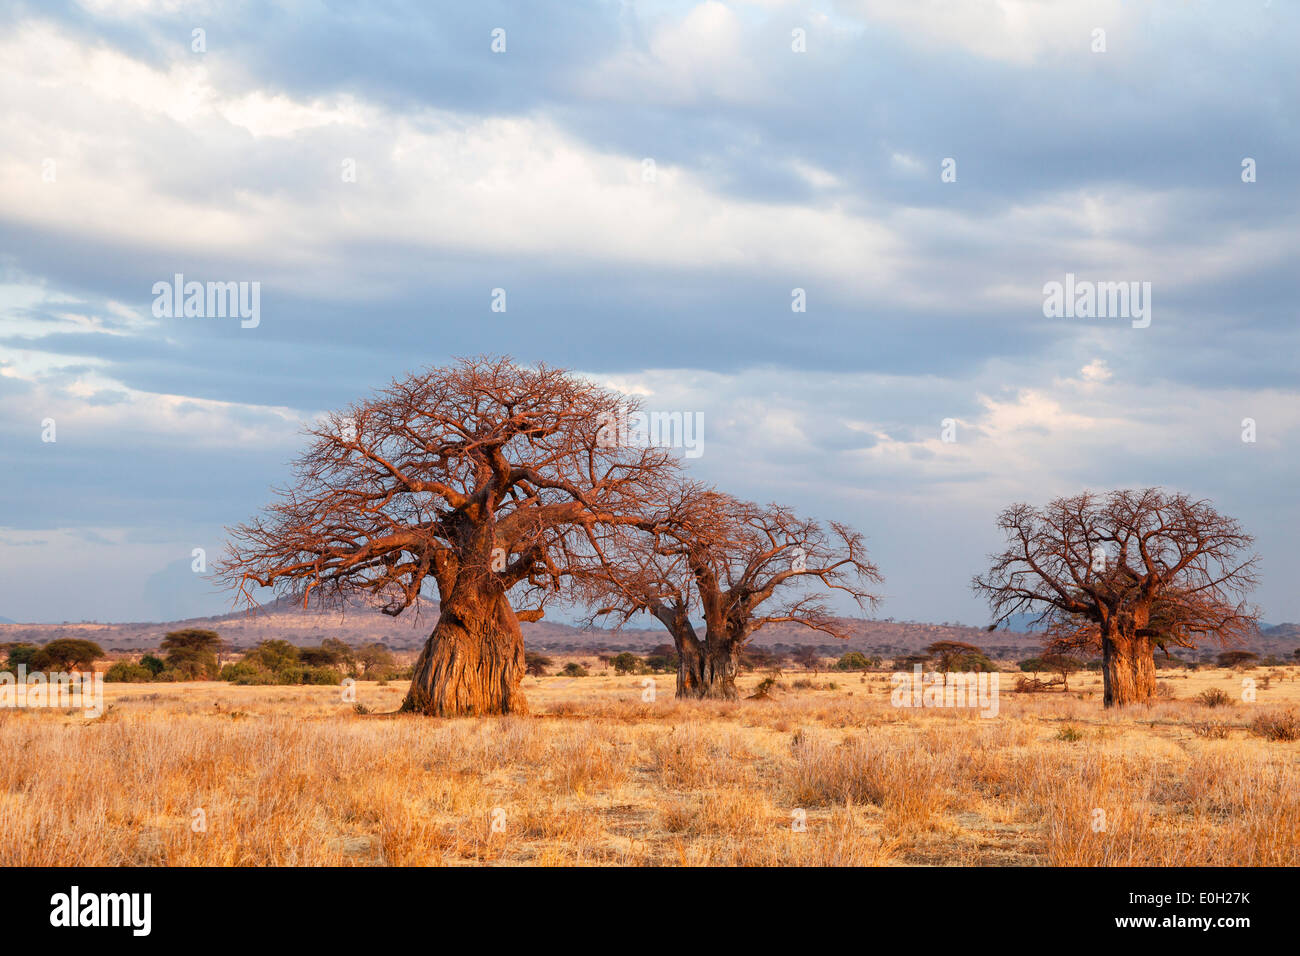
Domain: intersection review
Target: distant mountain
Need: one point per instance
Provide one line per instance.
(286, 619)
(5, 620)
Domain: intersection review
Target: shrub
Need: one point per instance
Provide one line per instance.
(246, 672)
(1211, 729)
(319, 656)
(1032, 685)
(661, 663)
(154, 664)
(21, 654)
(1214, 697)
(321, 676)
(273, 655)
(1280, 725)
(574, 669)
(535, 664)
(977, 661)
(755, 658)
(125, 672)
(250, 672)
(1237, 659)
(375, 660)
(627, 663)
(1069, 733)
(853, 661)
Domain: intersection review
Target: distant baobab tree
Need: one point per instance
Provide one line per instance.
(724, 561)
(1124, 573)
(470, 477)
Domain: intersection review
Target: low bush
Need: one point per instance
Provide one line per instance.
(1214, 697)
(1279, 725)
(127, 672)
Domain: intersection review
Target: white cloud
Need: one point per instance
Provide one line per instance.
(1012, 31)
(1096, 371)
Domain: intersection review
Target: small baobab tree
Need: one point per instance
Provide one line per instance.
(468, 477)
(735, 566)
(1124, 573)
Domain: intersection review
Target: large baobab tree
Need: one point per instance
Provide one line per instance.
(1124, 573)
(723, 561)
(469, 477)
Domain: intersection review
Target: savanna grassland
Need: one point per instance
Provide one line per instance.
(596, 775)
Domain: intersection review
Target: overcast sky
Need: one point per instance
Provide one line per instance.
(649, 182)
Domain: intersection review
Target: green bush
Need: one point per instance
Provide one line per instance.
(1234, 659)
(661, 663)
(574, 669)
(126, 672)
(273, 655)
(853, 661)
(154, 664)
(627, 663)
(974, 661)
(251, 672)
(21, 654)
(376, 661)
(323, 676)
(245, 672)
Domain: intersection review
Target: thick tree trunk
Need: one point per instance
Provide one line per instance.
(706, 670)
(690, 666)
(718, 680)
(473, 662)
(1128, 669)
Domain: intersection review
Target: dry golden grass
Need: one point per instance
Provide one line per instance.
(816, 776)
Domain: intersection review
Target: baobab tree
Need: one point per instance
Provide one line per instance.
(1124, 573)
(468, 477)
(724, 561)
